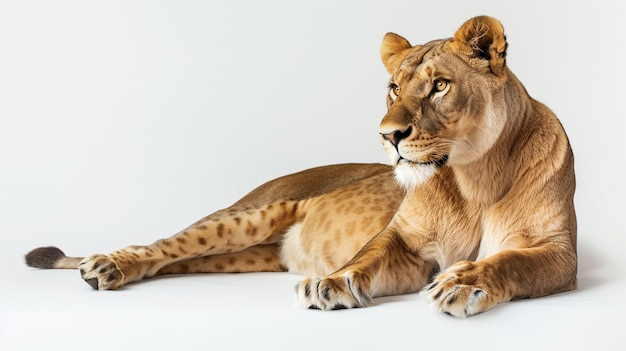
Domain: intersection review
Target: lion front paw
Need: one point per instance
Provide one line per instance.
(101, 272)
(347, 290)
(460, 291)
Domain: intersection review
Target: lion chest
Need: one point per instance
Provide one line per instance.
(439, 224)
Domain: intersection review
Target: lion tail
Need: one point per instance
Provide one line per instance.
(51, 258)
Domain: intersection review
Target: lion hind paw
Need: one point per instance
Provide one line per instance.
(101, 272)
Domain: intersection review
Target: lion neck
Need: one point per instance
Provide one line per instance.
(488, 179)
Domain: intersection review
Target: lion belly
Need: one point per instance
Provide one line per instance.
(338, 224)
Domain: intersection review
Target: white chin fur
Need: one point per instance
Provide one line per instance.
(410, 175)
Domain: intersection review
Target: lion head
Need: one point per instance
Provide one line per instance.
(446, 101)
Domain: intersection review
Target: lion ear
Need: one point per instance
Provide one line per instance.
(393, 51)
(483, 37)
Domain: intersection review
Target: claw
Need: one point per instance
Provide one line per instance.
(93, 282)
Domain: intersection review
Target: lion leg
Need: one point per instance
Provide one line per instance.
(259, 218)
(383, 267)
(260, 258)
(227, 231)
(467, 288)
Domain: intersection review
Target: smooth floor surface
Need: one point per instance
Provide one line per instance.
(56, 310)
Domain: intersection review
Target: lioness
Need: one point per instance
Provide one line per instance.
(477, 209)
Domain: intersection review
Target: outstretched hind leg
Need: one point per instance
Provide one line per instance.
(261, 258)
(232, 230)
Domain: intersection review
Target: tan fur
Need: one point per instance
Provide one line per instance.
(485, 213)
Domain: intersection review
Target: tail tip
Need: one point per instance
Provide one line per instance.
(44, 257)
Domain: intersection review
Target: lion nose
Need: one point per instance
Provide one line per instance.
(396, 136)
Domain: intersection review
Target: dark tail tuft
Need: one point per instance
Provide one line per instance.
(44, 257)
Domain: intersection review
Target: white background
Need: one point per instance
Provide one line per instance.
(121, 122)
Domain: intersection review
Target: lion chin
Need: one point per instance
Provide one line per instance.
(409, 174)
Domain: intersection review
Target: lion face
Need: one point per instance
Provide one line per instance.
(445, 105)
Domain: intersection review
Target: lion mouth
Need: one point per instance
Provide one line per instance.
(438, 162)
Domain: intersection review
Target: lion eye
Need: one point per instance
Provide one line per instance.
(441, 85)
(394, 91)
(440, 88)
